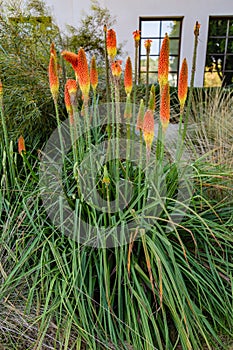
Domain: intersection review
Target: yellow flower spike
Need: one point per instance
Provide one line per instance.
(111, 44)
(163, 66)
(83, 74)
(140, 115)
(93, 74)
(148, 130)
(165, 107)
(21, 145)
(128, 108)
(116, 68)
(53, 74)
(183, 84)
(128, 76)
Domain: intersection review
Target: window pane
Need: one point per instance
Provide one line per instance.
(154, 50)
(174, 46)
(216, 45)
(150, 28)
(231, 28)
(173, 63)
(217, 27)
(229, 63)
(153, 64)
(172, 28)
(230, 46)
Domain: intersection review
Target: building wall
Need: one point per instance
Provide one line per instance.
(127, 16)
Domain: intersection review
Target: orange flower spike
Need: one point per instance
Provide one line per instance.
(140, 115)
(116, 68)
(21, 145)
(53, 74)
(165, 107)
(83, 73)
(72, 58)
(148, 130)
(137, 37)
(183, 84)
(163, 66)
(128, 77)
(93, 74)
(111, 43)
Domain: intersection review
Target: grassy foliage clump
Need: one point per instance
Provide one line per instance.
(144, 260)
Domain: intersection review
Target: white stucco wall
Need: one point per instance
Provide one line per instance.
(127, 15)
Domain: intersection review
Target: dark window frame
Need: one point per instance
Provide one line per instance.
(223, 54)
(160, 37)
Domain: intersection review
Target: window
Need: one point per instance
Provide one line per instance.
(155, 29)
(219, 55)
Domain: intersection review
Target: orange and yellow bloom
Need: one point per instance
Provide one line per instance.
(111, 43)
(183, 84)
(163, 66)
(83, 74)
(137, 37)
(148, 128)
(128, 77)
(116, 68)
(165, 107)
(53, 74)
(147, 45)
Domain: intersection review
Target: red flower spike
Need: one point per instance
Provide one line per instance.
(21, 145)
(128, 77)
(183, 84)
(163, 66)
(140, 115)
(53, 74)
(116, 68)
(93, 74)
(83, 73)
(111, 43)
(72, 88)
(165, 107)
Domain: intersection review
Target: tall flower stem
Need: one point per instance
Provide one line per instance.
(147, 75)
(190, 95)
